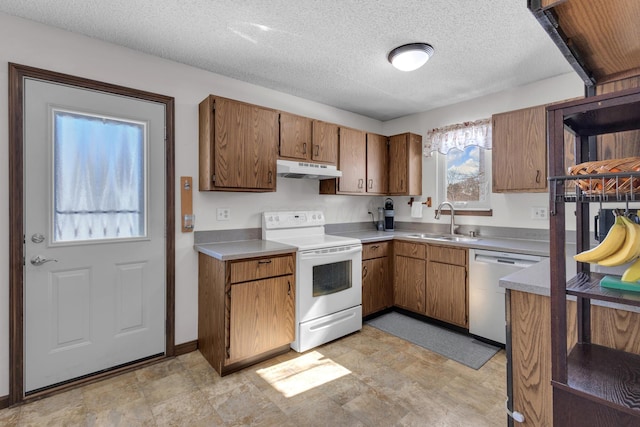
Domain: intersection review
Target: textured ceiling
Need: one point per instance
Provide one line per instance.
(331, 51)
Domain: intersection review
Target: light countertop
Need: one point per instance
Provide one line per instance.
(226, 251)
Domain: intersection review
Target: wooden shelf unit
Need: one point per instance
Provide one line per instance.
(590, 379)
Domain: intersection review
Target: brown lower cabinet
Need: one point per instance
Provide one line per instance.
(431, 280)
(409, 280)
(529, 352)
(376, 278)
(246, 309)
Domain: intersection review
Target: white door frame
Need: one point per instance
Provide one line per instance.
(17, 75)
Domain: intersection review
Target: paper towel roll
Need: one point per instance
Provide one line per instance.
(416, 210)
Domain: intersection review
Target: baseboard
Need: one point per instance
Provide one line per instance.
(186, 347)
(4, 402)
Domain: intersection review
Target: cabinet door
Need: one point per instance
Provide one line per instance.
(377, 164)
(405, 165)
(447, 293)
(245, 145)
(375, 281)
(620, 144)
(351, 161)
(295, 137)
(409, 283)
(325, 142)
(519, 154)
(261, 317)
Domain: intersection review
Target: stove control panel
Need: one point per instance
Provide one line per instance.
(292, 219)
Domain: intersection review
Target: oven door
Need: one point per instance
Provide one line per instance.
(329, 280)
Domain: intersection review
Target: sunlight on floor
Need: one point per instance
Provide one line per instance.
(302, 373)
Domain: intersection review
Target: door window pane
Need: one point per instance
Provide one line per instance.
(99, 177)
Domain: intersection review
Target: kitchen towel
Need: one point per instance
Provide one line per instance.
(416, 210)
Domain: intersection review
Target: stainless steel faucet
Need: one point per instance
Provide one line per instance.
(453, 215)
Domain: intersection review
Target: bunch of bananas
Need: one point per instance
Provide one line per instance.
(620, 246)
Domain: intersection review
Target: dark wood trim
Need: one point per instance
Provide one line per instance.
(4, 402)
(469, 213)
(17, 74)
(186, 347)
(549, 21)
(16, 234)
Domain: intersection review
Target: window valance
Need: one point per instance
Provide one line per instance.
(458, 136)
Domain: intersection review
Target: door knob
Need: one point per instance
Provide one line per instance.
(39, 260)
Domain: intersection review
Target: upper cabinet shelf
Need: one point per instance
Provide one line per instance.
(586, 31)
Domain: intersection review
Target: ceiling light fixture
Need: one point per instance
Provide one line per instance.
(410, 56)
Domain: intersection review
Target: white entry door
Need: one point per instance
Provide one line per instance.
(94, 285)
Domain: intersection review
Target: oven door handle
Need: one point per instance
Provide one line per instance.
(321, 253)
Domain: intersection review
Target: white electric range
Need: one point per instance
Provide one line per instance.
(328, 276)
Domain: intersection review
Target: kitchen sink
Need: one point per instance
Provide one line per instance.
(444, 237)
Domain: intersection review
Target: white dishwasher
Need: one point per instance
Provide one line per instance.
(486, 297)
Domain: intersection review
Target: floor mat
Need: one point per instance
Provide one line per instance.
(461, 348)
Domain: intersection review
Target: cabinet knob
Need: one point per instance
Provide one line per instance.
(370, 183)
(538, 176)
(360, 183)
(317, 150)
(289, 289)
(270, 177)
(304, 148)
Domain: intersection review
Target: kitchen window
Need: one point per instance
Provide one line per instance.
(463, 159)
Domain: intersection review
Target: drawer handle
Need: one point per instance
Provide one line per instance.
(289, 290)
(264, 261)
(375, 247)
(317, 151)
(304, 148)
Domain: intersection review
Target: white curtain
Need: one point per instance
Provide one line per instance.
(99, 186)
(458, 136)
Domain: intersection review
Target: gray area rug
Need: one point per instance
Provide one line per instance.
(453, 345)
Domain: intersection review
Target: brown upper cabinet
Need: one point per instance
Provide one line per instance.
(405, 165)
(238, 146)
(352, 152)
(295, 137)
(519, 154)
(377, 164)
(325, 142)
(363, 159)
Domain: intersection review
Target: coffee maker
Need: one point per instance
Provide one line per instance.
(388, 215)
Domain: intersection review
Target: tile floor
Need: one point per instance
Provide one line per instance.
(369, 378)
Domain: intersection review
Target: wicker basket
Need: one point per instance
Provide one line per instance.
(609, 185)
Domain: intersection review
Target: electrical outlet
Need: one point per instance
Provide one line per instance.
(224, 214)
(539, 213)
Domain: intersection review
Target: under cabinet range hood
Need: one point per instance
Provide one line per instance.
(306, 170)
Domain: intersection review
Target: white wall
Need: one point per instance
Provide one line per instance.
(509, 210)
(32, 44)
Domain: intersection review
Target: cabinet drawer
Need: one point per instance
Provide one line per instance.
(260, 268)
(375, 250)
(413, 250)
(447, 255)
